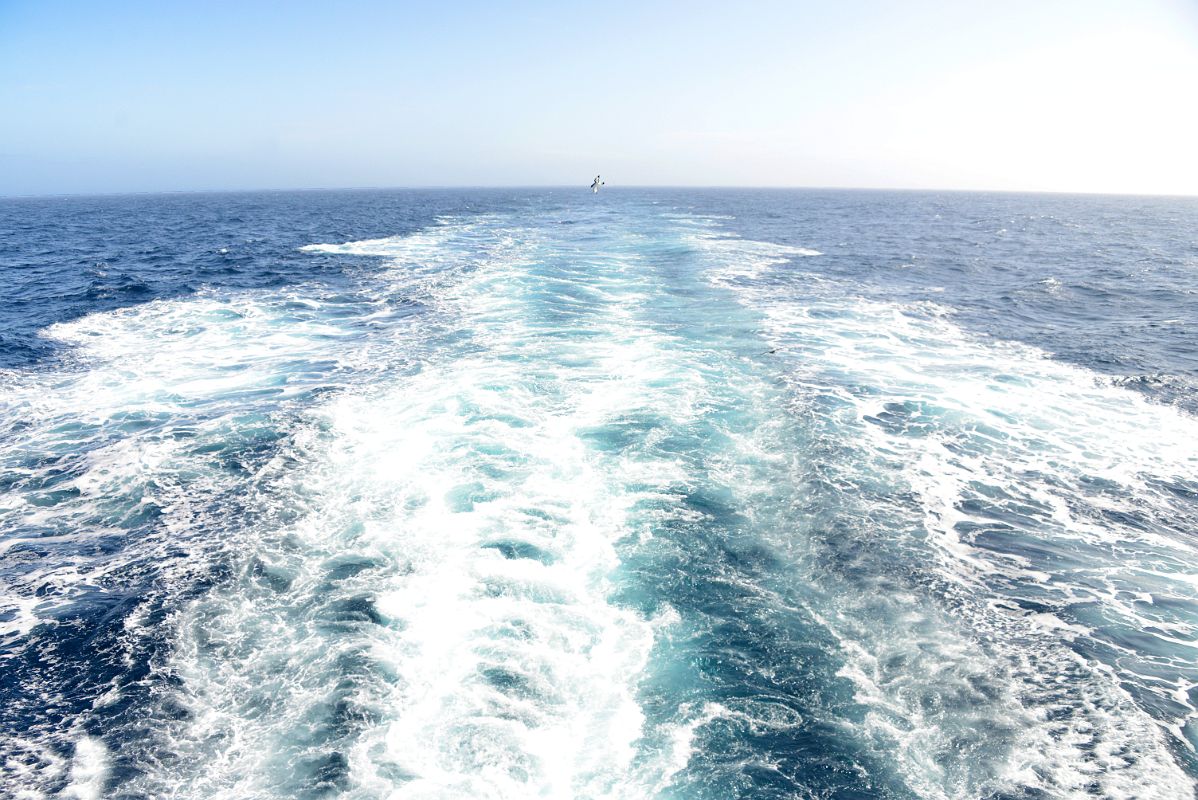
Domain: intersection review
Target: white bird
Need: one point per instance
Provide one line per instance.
(595, 184)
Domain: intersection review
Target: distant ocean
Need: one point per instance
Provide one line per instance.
(643, 494)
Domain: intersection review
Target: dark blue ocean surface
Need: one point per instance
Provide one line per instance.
(650, 493)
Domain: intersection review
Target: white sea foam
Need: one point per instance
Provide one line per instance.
(145, 387)
(962, 422)
(89, 769)
(422, 598)
(446, 582)
(132, 428)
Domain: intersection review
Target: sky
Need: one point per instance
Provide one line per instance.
(1020, 95)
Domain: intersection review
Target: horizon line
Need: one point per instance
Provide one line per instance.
(584, 187)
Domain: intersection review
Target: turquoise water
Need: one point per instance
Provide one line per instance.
(641, 494)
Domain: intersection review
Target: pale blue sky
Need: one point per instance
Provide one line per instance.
(1057, 95)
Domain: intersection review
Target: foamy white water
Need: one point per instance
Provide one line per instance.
(623, 508)
(970, 432)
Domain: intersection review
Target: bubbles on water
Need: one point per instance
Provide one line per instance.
(530, 516)
(966, 470)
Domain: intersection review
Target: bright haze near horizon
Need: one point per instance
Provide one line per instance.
(1037, 96)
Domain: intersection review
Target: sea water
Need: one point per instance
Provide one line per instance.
(650, 493)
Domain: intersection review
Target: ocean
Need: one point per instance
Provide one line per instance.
(639, 494)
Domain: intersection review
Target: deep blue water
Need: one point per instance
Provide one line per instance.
(651, 493)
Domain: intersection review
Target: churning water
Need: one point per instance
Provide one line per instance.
(511, 494)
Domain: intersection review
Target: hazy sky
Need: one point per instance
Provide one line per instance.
(1059, 95)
